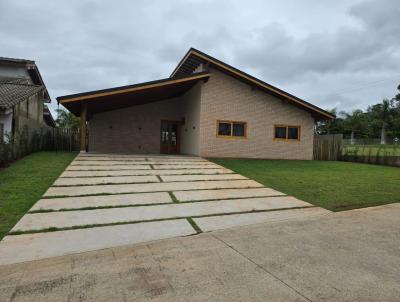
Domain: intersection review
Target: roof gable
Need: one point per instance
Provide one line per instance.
(193, 58)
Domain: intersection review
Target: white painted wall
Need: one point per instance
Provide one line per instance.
(14, 71)
(6, 120)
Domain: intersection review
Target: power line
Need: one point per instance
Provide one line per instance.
(367, 85)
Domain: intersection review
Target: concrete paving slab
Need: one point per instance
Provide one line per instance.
(202, 166)
(157, 156)
(104, 158)
(67, 219)
(150, 187)
(169, 178)
(113, 167)
(224, 194)
(107, 162)
(143, 172)
(29, 247)
(105, 180)
(227, 221)
(182, 159)
(101, 201)
(112, 155)
(156, 159)
(121, 162)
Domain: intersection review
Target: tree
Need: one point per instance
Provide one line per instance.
(354, 122)
(381, 114)
(66, 119)
(334, 126)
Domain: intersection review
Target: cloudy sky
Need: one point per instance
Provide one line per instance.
(342, 53)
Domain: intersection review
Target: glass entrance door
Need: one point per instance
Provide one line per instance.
(170, 137)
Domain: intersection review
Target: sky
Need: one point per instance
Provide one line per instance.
(342, 54)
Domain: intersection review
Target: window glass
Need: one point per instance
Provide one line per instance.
(224, 129)
(280, 132)
(164, 133)
(1, 132)
(293, 133)
(238, 129)
(174, 134)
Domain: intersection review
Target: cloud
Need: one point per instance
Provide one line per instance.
(313, 50)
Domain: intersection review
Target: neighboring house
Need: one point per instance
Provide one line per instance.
(22, 96)
(205, 108)
(48, 117)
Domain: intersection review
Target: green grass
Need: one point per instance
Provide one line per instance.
(25, 181)
(372, 150)
(332, 185)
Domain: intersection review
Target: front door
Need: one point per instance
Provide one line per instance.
(170, 137)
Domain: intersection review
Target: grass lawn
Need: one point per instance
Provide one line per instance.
(332, 185)
(372, 150)
(25, 181)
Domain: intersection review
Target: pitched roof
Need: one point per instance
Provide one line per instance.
(193, 58)
(15, 90)
(125, 96)
(31, 68)
(16, 61)
(48, 117)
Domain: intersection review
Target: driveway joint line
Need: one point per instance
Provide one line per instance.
(194, 225)
(173, 197)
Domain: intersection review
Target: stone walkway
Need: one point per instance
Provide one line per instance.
(107, 200)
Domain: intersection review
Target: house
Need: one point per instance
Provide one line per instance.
(48, 117)
(22, 96)
(206, 107)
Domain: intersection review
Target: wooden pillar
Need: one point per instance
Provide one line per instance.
(83, 127)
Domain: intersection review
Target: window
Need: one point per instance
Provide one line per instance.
(285, 132)
(1, 132)
(224, 129)
(280, 132)
(231, 129)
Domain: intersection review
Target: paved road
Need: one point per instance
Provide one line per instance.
(347, 256)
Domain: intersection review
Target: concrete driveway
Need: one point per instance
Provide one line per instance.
(105, 200)
(347, 256)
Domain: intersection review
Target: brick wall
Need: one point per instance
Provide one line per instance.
(225, 98)
(134, 129)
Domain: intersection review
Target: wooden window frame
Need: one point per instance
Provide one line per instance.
(231, 136)
(287, 133)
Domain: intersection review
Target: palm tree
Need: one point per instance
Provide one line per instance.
(66, 119)
(381, 113)
(354, 122)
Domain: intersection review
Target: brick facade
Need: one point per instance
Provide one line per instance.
(137, 129)
(134, 129)
(226, 98)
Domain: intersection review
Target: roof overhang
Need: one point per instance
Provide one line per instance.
(48, 117)
(125, 96)
(193, 58)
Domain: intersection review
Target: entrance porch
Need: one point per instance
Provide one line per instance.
(161, 117)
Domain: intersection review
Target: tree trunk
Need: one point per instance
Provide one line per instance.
(352, 138)
(383, 135)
